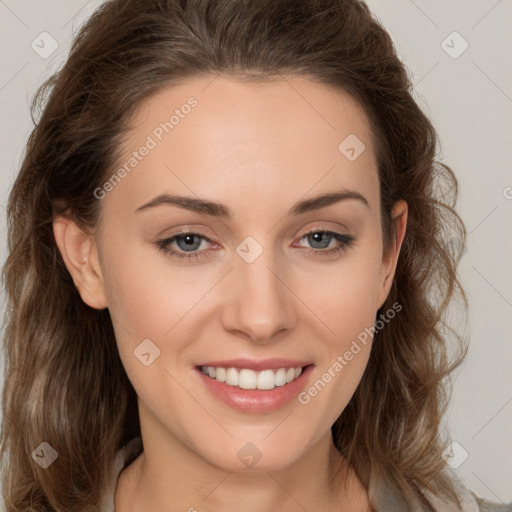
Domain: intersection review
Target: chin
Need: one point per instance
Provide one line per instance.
(245, 456)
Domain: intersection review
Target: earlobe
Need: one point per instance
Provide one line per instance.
(389, 263)
(79, 252)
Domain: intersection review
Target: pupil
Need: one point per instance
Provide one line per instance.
(317, 237)
(188, 242)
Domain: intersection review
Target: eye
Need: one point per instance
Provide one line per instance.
(187, 242)
(322, 239)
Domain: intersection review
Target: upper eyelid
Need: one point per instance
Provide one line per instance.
(198, 228)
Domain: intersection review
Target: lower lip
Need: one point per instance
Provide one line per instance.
(257, 400)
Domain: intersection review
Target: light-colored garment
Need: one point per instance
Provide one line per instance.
(388, 501)
(122, 456)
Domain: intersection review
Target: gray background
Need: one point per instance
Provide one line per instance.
(469, 99)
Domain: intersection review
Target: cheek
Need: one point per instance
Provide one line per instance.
(345, 300)
(146, 295)
(150, 304)
(346, 296)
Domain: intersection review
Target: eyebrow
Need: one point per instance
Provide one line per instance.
(222, 211)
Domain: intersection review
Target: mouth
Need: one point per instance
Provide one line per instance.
(255, 386)
(246, 378)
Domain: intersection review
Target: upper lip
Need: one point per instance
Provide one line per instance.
(258, 365)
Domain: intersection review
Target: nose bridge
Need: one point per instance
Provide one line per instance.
(260, 304)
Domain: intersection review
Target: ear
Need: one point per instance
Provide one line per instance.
(80, 254)
(389, 260)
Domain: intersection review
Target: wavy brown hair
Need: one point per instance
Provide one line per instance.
(64, 380)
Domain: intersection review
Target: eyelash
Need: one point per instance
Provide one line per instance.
(163, 245)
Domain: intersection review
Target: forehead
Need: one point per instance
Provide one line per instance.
(223, 138)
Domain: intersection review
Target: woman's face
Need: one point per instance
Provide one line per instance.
(251, 294)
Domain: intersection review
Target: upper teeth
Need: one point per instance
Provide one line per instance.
(249, 379)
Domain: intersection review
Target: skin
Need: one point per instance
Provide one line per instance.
(257, 148)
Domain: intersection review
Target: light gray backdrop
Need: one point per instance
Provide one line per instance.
(456, 53)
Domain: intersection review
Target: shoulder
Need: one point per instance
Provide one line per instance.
(488, 506)
(471, 502)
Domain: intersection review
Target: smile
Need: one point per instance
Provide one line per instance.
(250, 379)
(255, 386)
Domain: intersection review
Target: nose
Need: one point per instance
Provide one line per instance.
(259, 303)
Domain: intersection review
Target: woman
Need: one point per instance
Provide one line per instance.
(176, 339)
